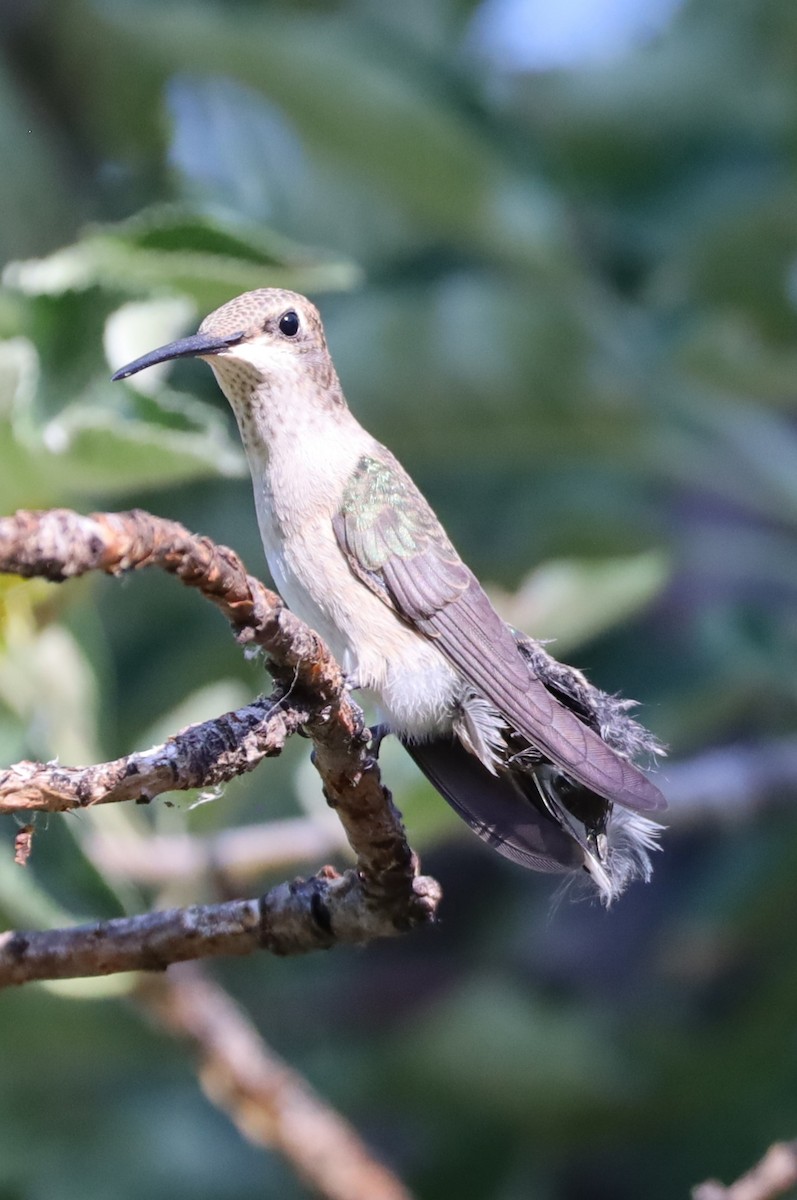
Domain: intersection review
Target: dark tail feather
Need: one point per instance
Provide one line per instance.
(495, 809)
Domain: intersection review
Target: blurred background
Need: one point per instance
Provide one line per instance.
(555, 248)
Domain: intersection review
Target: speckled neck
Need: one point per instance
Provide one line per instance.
(304, 398)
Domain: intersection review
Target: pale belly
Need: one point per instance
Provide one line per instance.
(413, 684)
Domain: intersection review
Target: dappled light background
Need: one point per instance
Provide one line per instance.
(555, 248)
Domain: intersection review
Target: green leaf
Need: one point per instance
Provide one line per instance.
(92, 446)
(107, 439)
(172, 249)
(574, 600)
(342, 86)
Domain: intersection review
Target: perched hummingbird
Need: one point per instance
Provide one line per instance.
(532, 758)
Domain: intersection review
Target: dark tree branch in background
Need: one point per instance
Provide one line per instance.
(773, 1176)
(384, 893)
(266, 1099)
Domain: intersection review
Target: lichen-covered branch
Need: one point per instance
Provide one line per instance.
(203, 755)
(268, 1101)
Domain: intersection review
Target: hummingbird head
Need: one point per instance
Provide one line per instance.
(257, 335)
(268, 352)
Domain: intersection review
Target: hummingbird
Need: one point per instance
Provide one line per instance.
(538, 763)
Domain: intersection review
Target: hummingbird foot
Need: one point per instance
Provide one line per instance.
(378, 734)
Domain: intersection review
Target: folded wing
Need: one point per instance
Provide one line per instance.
(395, 544)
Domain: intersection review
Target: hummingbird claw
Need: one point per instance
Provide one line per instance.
(378, 734)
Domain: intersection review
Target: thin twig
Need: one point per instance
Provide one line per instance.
(773, 1176)
(267, 1100)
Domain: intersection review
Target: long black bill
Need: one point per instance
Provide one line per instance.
(189, 347)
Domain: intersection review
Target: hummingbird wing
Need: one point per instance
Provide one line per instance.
(495, 808)
(396, 545)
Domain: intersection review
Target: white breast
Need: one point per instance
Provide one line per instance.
(300, 463)
(412, 682)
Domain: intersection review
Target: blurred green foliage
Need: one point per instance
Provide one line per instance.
(566, 299)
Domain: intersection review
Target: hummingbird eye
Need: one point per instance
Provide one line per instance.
(289, 323)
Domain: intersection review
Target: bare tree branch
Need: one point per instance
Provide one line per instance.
(202, 755)
(773, 1176)
(325, 910)
(381, 897)
(266, 1099)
